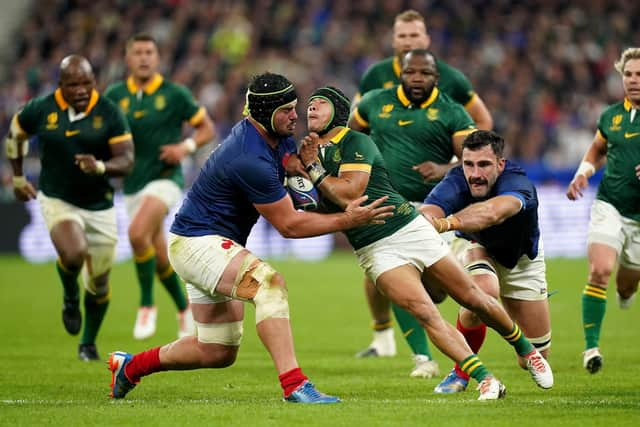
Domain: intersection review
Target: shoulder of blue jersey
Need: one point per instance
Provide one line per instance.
(303, 193)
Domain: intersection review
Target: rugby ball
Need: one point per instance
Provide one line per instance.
(303, 193)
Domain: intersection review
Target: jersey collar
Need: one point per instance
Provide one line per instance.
(151, 87)
(397, 68)
(405, 101)
(63, 104)
(627, 104)
(338, 136)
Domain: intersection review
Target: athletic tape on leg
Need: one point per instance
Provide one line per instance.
(255, 282)
(220, 333)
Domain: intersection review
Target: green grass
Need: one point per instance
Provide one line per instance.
(42, 382)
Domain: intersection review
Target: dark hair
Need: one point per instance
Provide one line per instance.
(266, 93)
(419, 52)
(141, 37)
(482, 138)
(340, 103)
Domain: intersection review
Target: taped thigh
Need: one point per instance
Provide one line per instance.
(229, 334)
(255, 282)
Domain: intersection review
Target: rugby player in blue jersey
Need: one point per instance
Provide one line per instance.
(242, 179)
(494, 207)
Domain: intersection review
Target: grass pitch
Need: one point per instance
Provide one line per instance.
(43, 383)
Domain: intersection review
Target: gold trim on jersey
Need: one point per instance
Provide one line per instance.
(627, 104)
(120, 138)
(338, 137)
(362, 122)
(397, 67)
(474, 97)
(355, 167)
(154, 83)
(63, 104)
(197, 118)
(464, 132)
(16, 120)
(405, 101)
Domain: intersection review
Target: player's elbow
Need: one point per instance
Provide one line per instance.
(289, 231)
(128, 160)
(485, 123)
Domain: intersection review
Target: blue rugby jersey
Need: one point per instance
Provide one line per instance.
(242, 171)
(505, 242)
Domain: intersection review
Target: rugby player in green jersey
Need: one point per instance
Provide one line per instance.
(418, 129)
(404, 257)
(83, 140)
(614, 229)
(410, 32)
(156, 110)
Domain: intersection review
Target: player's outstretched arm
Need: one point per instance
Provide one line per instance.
(297, 224)
(474, 217)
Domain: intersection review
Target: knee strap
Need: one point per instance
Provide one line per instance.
(480, 267)
(541, 343)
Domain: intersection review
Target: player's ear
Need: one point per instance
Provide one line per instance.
(501, 164)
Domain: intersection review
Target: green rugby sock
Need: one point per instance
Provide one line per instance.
(145, 270)
(474, 367)
(413, 331)
(172, 284)
(519, 342)
(95, 309)
(69, 280)
(594, 306)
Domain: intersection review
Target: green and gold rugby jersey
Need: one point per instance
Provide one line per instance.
(386, 74)
(156, 115)
(354, 151)
(60, 139)
(408, 135)
(620, 185)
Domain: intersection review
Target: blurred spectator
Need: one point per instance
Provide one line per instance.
(545, 68)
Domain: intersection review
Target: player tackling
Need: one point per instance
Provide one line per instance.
(243, 178)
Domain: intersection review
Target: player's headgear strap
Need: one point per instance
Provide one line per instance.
(340, 103)
(267, 93)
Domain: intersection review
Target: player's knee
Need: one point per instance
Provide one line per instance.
(468, 317)
(219, 343)
(217, 356)
(422, 310)
(138, 238)
(72, 258)
(272, 299)
(259, 283)
(599, 274)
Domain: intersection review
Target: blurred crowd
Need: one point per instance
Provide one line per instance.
(543, 67)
